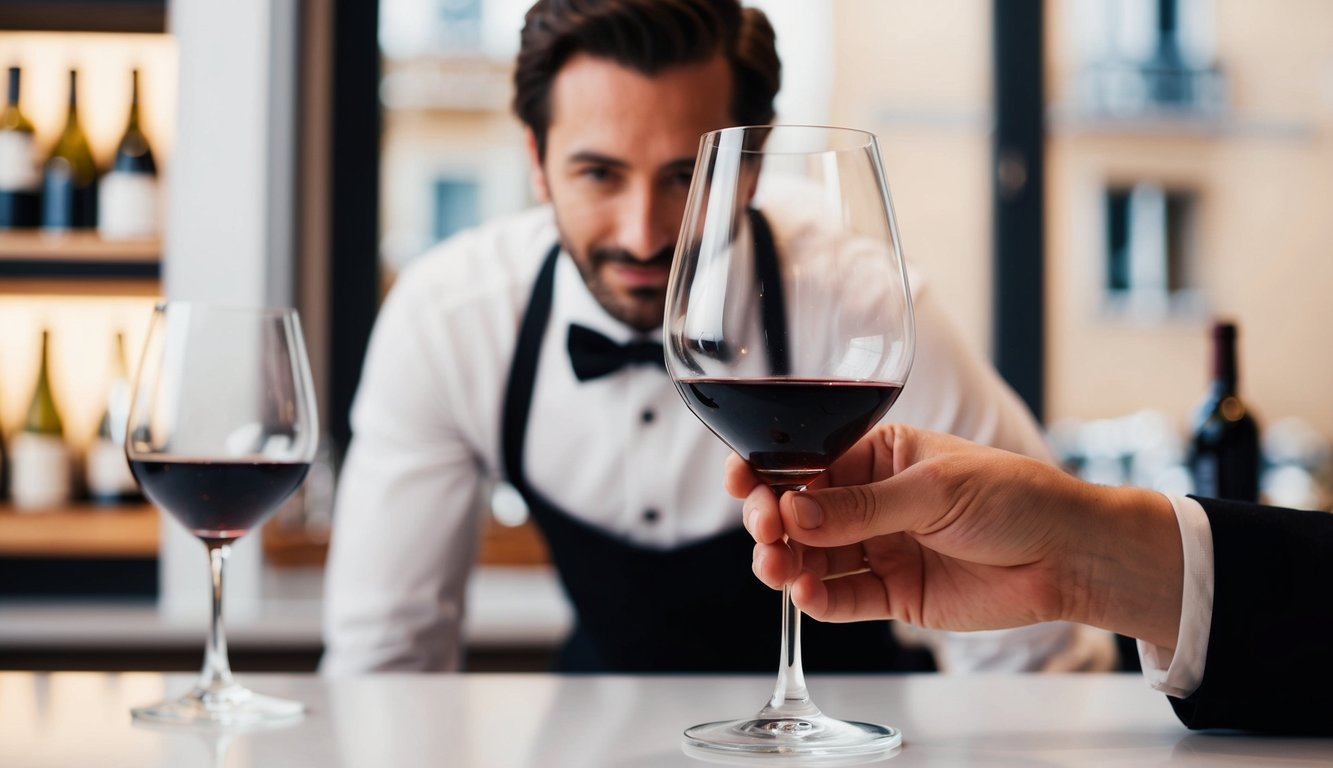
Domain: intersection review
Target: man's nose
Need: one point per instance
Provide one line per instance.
(644, 227)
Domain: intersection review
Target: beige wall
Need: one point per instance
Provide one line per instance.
(1264, 176)
(919, 76)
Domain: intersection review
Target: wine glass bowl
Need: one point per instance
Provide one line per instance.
(222, 429)
(789, 332)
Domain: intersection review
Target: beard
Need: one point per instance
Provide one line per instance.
(639, 308)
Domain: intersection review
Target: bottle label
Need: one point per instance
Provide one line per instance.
(39, 471)
(18, 163)
(129, 205)
(108, 470)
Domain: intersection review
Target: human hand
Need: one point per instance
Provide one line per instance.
(943, 533)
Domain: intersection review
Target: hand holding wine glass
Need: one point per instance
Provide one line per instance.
(789, 339)
(222, 429)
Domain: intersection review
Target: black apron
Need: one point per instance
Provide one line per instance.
(696, 608)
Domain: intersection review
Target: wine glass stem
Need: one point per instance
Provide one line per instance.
(217, 668)
(790, 696)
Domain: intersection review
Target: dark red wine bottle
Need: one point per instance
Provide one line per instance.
(1224, 449)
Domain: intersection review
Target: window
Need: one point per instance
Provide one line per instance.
(1149, 244)
(456, 206)
(1149, 57)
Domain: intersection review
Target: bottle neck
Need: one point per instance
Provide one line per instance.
(134, 102)
(73, 94)
(14, 86)
(43, 418)
(1224, 363)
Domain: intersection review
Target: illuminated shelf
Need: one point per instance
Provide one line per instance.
(34, 262)
(80, 530)
(513, 545)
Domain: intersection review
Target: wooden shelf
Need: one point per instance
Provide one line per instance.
(80, 530)
(25, 245)
(89, 530)
(78, 263)
(513, 545)
(521, 545)
(84, 15)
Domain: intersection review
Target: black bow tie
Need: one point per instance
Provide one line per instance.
(594, 355)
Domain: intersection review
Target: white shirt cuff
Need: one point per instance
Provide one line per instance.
(1178, 672)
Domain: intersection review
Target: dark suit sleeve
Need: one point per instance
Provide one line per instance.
(1270, 647)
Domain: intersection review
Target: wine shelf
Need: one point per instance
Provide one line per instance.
(84, 16)
(131, 530)
(513, 545)
(80, 530)
(79, 263)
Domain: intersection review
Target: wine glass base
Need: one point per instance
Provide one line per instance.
(817, 740)
(231, 705)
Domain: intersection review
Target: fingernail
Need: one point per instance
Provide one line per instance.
(807, 512)
(756, 563)
(746, 515)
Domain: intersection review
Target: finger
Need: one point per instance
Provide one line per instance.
(737, 477)
(917, 500)
(831, 562)
(856, 597)
(775, 564)
(761, 516)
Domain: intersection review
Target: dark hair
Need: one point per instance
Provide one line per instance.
(647, 36)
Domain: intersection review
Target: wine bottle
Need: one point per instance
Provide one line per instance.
(128, 197)
(20, 183)
(108, 475)
(69, 176)
(1224, 449)
(39, 466)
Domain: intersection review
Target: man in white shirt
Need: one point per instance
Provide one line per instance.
(1227, 599)
(487, 362)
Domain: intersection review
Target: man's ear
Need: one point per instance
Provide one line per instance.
(536, 174)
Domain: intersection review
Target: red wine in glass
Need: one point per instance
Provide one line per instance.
(218, 500)
(222, 428)
(789, 430)
(789, 332)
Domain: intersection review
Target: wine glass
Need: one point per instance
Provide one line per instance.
(222, 429)
(789, 333)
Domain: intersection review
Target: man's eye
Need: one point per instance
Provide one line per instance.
(596, 173)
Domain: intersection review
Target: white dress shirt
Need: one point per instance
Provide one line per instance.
(1178, 672)
(621, 452)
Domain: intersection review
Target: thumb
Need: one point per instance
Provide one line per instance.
(834, 517)
(910, 476)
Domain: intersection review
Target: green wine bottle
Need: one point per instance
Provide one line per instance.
(107, 470)
(69, 177)
(40, 461)
(128, 196)
(20, 183)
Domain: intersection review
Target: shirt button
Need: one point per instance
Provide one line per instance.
(651, 515)
(647, 416)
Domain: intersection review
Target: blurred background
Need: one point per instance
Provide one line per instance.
(1090, 184)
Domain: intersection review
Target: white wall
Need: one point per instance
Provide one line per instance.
(230, 218)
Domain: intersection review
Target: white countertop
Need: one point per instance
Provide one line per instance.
(551, 721)
(511, 607)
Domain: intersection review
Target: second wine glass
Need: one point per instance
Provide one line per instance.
(222, 429)
(789, 332)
